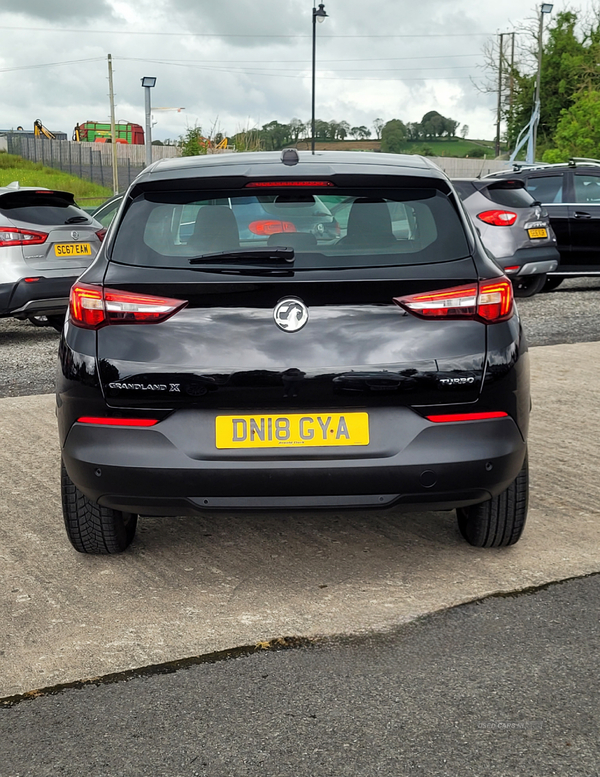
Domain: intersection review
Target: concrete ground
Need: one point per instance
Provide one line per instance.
(191, 586)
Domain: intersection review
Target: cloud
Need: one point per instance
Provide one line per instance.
(60, 10)
(248, 62)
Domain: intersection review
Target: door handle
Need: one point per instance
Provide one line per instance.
(582, 215)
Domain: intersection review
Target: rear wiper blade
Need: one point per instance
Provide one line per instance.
(77, 220)
(276, 254)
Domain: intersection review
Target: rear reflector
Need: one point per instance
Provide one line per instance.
(31, 280)
(513, 268)
(452, 417)
(92, 307)
(498, 218)
(267, 184)
(117, 421)
(10, 236)
(487, 301)
(271, 227)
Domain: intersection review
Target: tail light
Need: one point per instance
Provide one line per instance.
(101, 234)
(498, 218)
(92, 307)
(487, 301)
(10, 236)
(271, 227)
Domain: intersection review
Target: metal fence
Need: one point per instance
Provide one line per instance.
(87, 160)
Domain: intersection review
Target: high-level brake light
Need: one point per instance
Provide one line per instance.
(272, 184)
(488, 301)
(271, 227)
(92, 307)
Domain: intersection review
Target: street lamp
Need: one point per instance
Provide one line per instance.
(148, 82)
(545, 8)
(318, 15)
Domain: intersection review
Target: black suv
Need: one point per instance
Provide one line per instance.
(570, 192)
(212, 368)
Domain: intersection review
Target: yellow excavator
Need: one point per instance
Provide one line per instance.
(40, 131)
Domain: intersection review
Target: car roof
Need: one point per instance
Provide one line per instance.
(266, 163)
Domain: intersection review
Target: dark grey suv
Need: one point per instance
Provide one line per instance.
(570, 193)
(215, 369)
(514, 228)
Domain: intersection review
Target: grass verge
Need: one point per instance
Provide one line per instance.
(27, 173)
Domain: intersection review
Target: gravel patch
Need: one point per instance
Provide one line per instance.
(28, 358)
(28, 354)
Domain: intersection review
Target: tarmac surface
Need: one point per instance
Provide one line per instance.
(503, 687)
(193, 586)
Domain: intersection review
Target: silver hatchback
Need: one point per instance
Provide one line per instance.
(514, 228)
(46, 242)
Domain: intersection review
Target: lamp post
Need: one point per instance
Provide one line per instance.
(545, 8)
(318, 15)
(148, 82)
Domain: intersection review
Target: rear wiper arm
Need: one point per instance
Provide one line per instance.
(276, 254)
(77, 220)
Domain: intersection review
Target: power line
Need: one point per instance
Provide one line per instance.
(51, 64)
(244, 35)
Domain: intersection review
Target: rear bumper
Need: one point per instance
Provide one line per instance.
(531, 261)
(46, 296)
(160, 471)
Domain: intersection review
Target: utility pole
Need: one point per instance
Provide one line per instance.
(113, 131)
(512, 72)
(499, 110)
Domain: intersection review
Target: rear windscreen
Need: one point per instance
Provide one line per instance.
(345, 229)
(42, 209)
(509, 194)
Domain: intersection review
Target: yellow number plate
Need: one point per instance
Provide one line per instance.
(537, 233)
(72, 249)
(292, 431)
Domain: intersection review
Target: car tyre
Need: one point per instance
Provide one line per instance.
(528, 285)
(500, 521)
(552, 283)
(90, 527)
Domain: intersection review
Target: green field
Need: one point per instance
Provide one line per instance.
(14, 168)
(455, 147)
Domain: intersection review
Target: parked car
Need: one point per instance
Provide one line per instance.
(105, 213)
(514, 228)
(218, 370)
(571, 194)
(46, 242)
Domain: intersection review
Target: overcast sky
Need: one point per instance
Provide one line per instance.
(243, 63)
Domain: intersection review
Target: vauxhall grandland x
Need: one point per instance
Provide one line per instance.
(210, 368)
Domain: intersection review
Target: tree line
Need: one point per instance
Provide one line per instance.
(275, 135)
(569, 88)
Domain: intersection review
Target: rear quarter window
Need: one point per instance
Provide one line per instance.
(546, 188)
